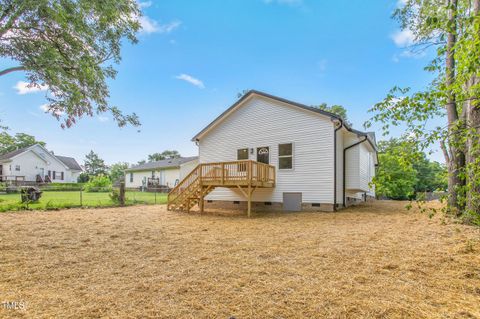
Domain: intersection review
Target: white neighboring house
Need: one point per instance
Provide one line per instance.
(37, 164)
(319, 160)
(166, 172)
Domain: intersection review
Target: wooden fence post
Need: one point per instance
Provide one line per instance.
(122, 194)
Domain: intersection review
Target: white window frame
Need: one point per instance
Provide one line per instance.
(284, 156)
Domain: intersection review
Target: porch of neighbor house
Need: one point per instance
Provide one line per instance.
(245, 175)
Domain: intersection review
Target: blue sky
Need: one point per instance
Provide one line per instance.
(193, 58)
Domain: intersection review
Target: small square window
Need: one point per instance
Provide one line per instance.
(17, 168)
(242, 154)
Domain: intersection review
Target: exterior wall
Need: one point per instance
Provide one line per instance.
(359, 169)
(187, 167)
(168, 177)
(32, 164)
(263, 122)
(262, 206)
(340, 146)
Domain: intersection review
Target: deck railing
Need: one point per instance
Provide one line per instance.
(225, 174)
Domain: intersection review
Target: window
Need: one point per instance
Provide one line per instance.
(50, 174)
(54, 175)
(131, 177)
(285, 156)
(153, 174)
(62, 176)
(17, 168)
(242, 154)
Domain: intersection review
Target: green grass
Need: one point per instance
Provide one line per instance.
(70, 199)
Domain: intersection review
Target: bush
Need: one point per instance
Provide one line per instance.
(100, 183)
(115, 197)
(83, 178)
(52, 187)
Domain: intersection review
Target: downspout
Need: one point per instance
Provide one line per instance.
(335, 164)
(344, 169)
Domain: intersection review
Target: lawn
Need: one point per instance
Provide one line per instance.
(371, 261)
(66, 199)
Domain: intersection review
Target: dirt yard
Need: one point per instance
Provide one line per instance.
(373, 261)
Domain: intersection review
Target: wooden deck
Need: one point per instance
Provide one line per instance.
(245, 175)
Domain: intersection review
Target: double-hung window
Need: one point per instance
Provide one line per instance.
(285, 156)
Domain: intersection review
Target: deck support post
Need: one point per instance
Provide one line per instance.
(249, 207)
(200, 203)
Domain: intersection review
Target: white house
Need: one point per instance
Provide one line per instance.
(37, 164)
(164, 173)
(318, 160)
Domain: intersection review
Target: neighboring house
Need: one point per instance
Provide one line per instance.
(315, 159)
(37, 164)
(164, 173)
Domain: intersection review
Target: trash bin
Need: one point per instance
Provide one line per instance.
(30, 194)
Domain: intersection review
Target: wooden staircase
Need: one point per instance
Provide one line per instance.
(246, 175)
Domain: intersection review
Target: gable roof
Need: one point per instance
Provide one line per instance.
(11, 154)
(166, 163)
(370, 135)
(70, 162)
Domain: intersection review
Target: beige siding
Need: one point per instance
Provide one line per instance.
(187, 167)
(263, 122)
(168, 177)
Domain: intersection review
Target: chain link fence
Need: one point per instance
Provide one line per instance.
(58, 197)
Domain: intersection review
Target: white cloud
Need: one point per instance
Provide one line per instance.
(403, 38)
(190, 79)
(46, 109)
(409, 54)
(103, 119)
(401, 3)
(23, 87)
(149, 25)
(287, 2)
(144, 4)
(322, 64)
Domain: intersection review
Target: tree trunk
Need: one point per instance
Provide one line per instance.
(473, 140)
(457, 156)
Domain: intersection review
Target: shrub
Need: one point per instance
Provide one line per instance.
(83, 178)
(52, 187)
(100, 183)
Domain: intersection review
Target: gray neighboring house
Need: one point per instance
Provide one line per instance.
(166, 172)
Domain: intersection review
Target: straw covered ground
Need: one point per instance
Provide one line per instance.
(372, 261)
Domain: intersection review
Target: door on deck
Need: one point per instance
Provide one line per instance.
(263, 154)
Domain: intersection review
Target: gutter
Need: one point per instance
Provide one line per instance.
(344, 169)
(335, 165)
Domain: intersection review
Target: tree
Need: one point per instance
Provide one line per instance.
(117, 171)
(9, 143)
(405, 170)
(335, 109)
(94, 165)
(453, 27)
(164, 155)
(67, 47)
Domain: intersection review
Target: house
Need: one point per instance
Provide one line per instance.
(271, 153)
(36, 164)
(164, 173)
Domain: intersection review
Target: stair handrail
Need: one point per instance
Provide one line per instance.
(184, 181)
